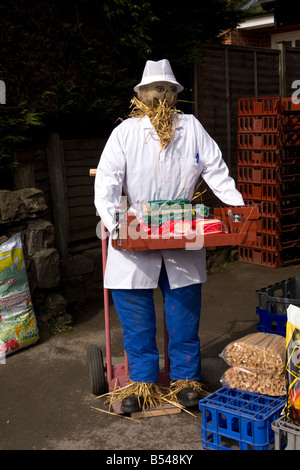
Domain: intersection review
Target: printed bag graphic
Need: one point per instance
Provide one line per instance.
(18, 327)
(292, 408)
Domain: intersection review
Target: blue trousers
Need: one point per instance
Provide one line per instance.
(136, 311)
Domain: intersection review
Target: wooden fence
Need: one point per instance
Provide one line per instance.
(227, 73)
(61, 170)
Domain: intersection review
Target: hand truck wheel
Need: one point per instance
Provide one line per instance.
(96, 371)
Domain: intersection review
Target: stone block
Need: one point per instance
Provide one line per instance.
(3, 239)
(34, 201)
(54, 305)
(95, 255)
(76, 265)
(73, 290)
(21, 204)
(39, 235)
(12, 208)
(45, 268)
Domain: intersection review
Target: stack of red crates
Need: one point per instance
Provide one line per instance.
(269, 176)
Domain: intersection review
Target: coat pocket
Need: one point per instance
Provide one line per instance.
(190, 170)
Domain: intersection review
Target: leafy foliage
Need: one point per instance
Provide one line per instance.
(70, 66)
(14, 130)
(182, 29)
(65, 58)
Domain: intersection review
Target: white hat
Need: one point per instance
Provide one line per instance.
(159, 71)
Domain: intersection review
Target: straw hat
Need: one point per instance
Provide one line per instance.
(159, 71)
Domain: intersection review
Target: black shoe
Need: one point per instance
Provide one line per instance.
(188, 397)
(131, 404)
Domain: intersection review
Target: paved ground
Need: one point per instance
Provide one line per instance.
(45, 393)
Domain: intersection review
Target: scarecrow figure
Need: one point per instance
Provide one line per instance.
(155, 154)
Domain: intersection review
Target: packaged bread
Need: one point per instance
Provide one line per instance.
(260, 351)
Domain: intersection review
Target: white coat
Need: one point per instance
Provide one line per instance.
(132, 159)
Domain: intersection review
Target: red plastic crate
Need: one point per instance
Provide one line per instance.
(131, 235)
(278, 226)
(265, 246)
(270, 209)
(272, 234)
(290, 212)
(258, 124)
(259, 106)
(271, 259)
(288, 121)
(287, 104)
(290, 153)
(253, 174)
(289, 137)
(292, 243)
(290, 229)
(268, 242)
(269, 225)
(288, 189)
(276, 158)
(290, 185)
(287, 175)
(263, 158)
(282, 209)
(260, 192)
(252, 255)
(258, 141)
(266, 208)
(290, 167)
(289, 207)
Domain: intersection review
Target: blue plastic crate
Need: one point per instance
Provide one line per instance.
(233, 418)
(271, 322)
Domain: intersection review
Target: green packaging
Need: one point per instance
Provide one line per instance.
(161, 211)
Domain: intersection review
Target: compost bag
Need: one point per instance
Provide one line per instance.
(18, 327)
(292, 407)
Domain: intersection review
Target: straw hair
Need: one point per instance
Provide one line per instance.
(163, 118)
(198, 194)
(150, 395)
(178, 385)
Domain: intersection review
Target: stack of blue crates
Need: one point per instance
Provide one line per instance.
(273, 303)
(237, 420)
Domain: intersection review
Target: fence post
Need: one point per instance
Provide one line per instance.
(282, 69)
(55, 160)
(228, 103)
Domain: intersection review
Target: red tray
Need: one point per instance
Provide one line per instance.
(132, 237)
